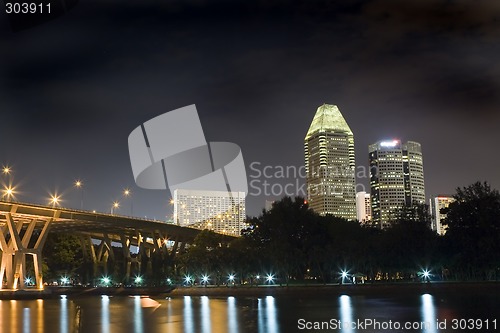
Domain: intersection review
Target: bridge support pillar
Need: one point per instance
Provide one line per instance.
(98, 258)
(89, 256)
(14, 251)
(104, 252)
(126, 243)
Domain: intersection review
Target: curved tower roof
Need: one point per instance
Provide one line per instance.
(328, 118)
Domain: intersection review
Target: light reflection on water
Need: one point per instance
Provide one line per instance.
(105, 314)
(345, 311)
(138, 324)
(26, 320)
(205, 315)
(194, 314)
(63, 317)
(232, 317)
(188, 315)
(428, 312)
(40, 316)
(267, 315)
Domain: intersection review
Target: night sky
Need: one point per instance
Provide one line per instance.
(72, 89)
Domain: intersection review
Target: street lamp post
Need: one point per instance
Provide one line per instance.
(205, 279)
(114, 206)
(231, 279)
(79, 186)
(127, 194)
(344, 276)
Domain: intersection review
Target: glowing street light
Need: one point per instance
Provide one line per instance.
(426, 274)
(64, 280)
(204, 279)
(231, 278)
(344, 275)
(6, 170)
(138, 279)
(270, 278)
(187, 279)
(55, 200)
(115, 205)
(105, 280)
(9, 192)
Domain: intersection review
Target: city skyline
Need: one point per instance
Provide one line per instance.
(75, 87)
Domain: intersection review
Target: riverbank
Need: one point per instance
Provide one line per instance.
(76, 292)
(346, 289)
(376, 289)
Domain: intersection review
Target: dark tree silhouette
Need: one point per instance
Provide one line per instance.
(473, 235)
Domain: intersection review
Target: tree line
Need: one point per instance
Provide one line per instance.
(293, 244)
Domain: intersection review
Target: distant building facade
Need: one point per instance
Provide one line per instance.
(220, 211)
(330, 164)
(396, 178)
(437, 204)
(363, 207)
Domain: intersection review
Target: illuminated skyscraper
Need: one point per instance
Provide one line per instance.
(438, 205)
(220, 211)
(396, 178)
(363, 207)
(330, 164)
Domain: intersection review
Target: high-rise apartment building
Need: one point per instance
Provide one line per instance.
(330, 164)
(396, 178)
(437, 205)
(220, 211)
(363, 207)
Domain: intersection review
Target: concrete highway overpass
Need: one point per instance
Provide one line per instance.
(24, 228)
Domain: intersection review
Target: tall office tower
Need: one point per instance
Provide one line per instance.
(330, 164)
(363, 207)
(437, 204)
(396, 178)
(220, 211)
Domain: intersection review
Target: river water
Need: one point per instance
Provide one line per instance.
(420, 312)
